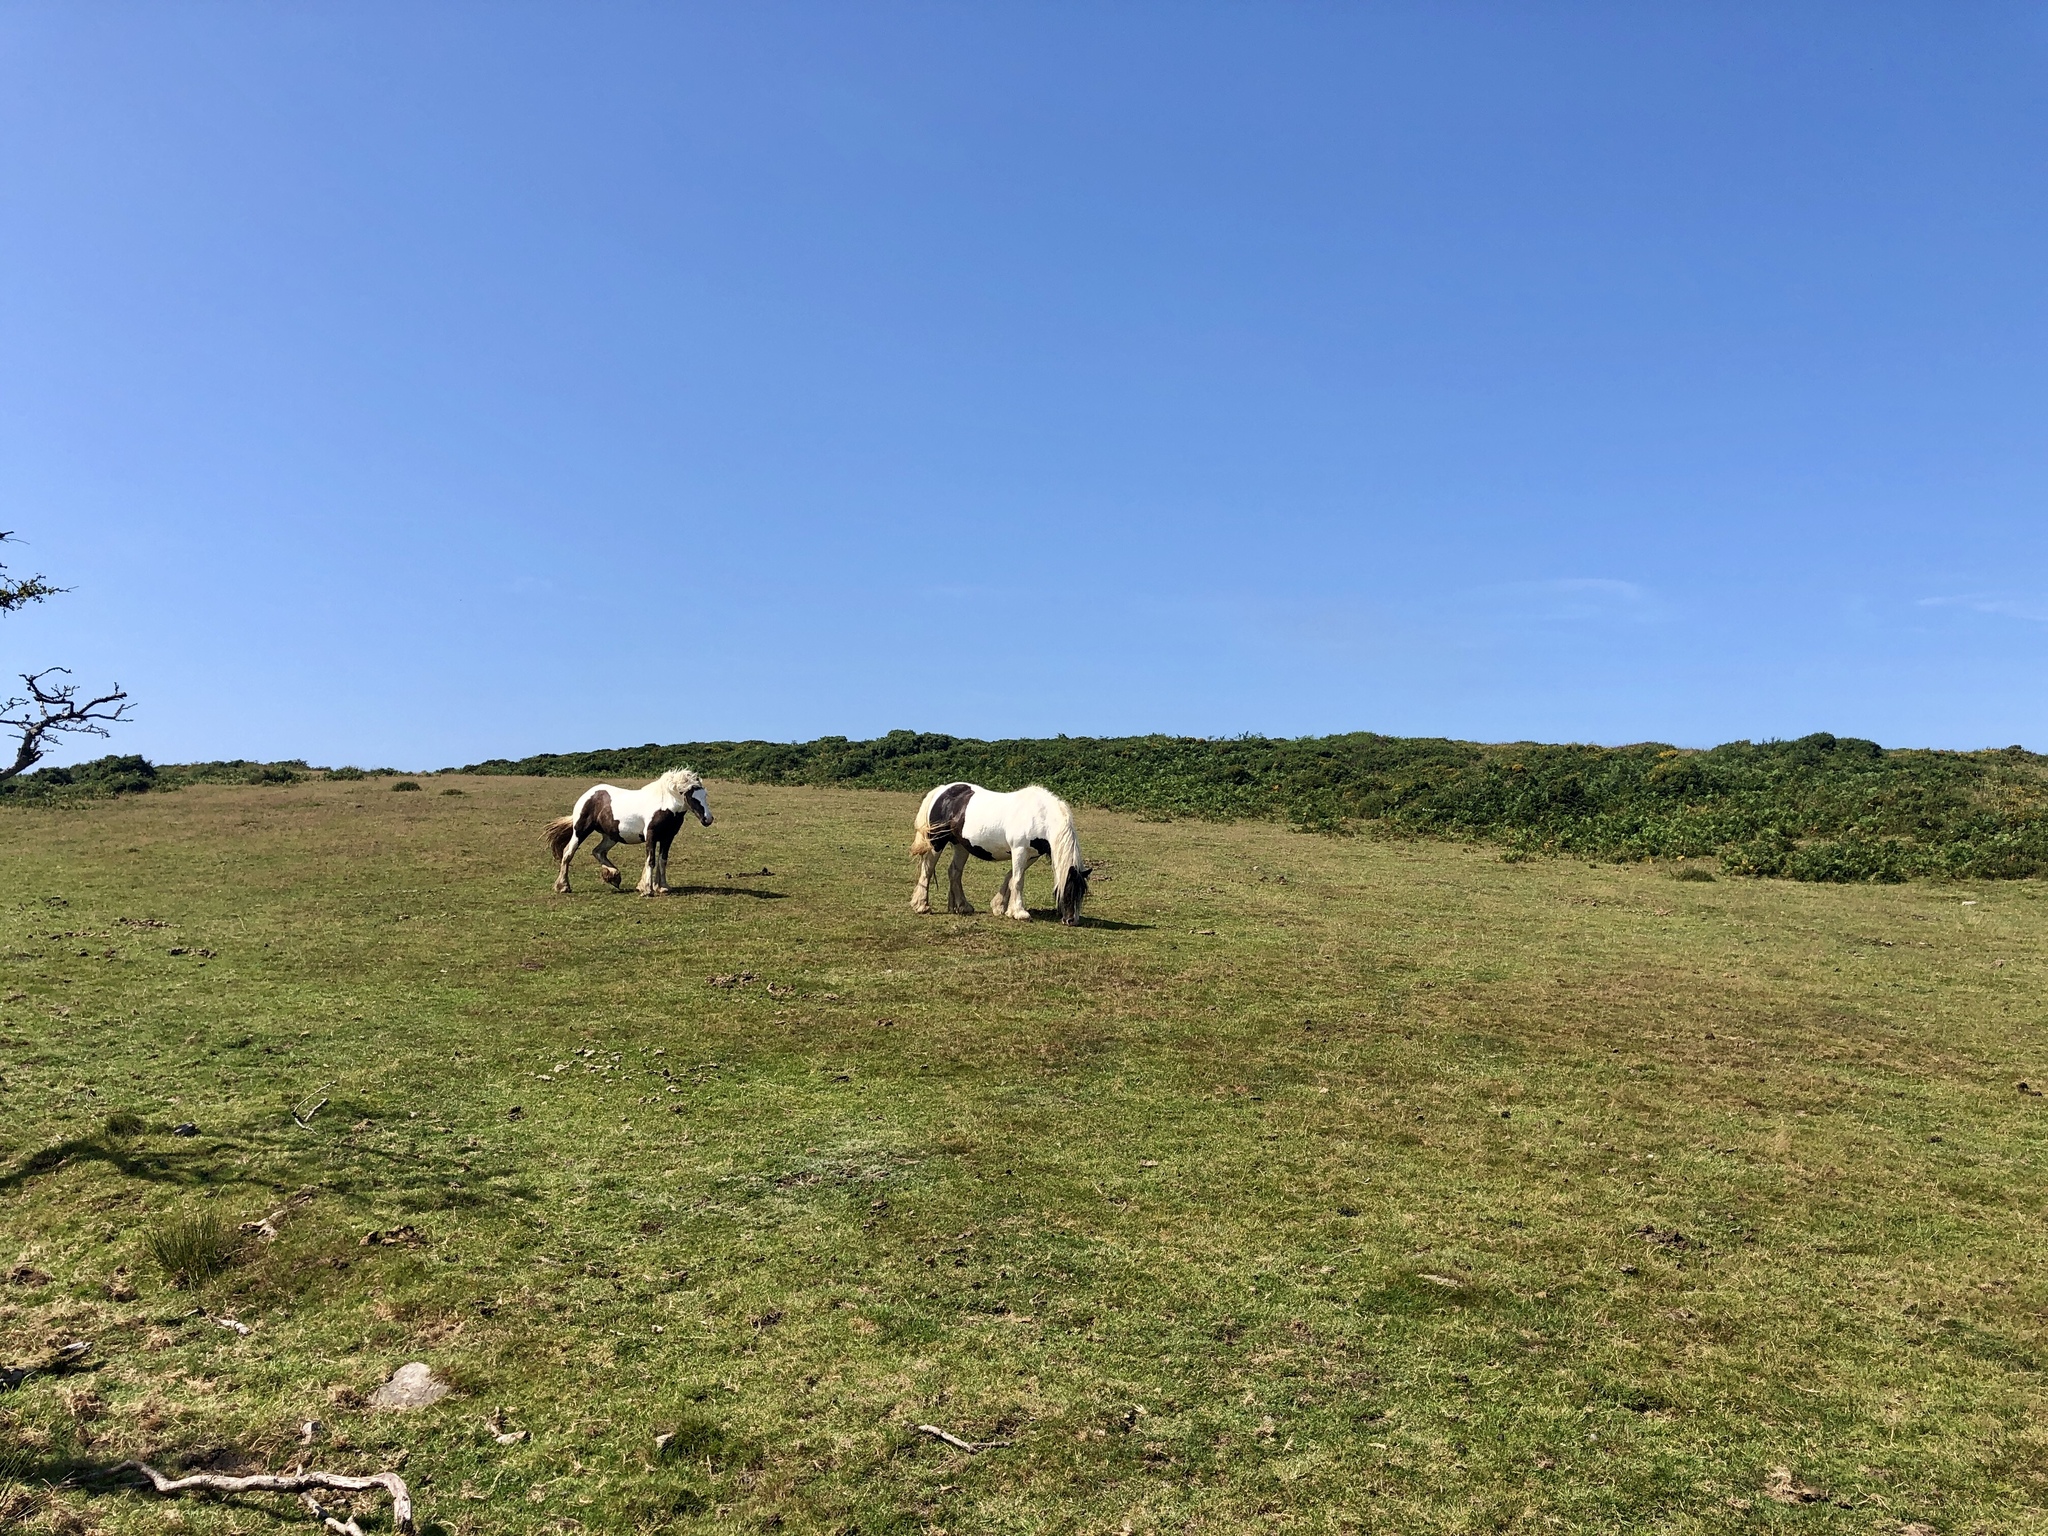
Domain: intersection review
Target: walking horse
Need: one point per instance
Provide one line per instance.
(652, 815)
(1029, 824)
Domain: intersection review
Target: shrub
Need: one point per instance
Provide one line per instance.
(405, 784)
(451, 791)
(1820, 808)
(190, 1248)
(346, 773)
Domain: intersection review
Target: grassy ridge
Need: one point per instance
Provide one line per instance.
(1314, 1187)
(1819, 808)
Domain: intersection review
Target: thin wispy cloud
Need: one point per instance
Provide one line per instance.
(1573, 599)
(2003, 607)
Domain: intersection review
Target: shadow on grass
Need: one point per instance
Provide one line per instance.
(726, 890)
(415, 1177)
(157, 1167)
(1052, 915)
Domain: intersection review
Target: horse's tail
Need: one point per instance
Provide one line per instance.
(560, 834)
(921, 841)
(1070, 875)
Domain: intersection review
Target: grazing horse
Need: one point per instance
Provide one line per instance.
(652, 816)
(1022, 826)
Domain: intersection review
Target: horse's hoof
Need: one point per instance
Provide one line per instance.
(921, 908)
(1022, 917)
(562, 888)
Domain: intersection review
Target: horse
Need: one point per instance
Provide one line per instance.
(652, 815)
(1026, 824)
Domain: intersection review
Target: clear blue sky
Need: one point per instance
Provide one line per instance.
(409, 384)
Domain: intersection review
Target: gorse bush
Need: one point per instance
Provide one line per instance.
(1819, 808)
(191, 1248)
(130, 775)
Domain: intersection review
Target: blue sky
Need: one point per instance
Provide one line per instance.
(402, 384)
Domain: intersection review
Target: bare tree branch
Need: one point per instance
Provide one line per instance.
(20, 591)
(50, 710)
(289, 1482)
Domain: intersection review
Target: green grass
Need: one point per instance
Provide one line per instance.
(192, 1246)
(1822, 808)
(1318, 1184)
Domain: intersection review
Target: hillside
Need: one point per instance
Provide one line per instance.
(1823, 807)
(1311, 1186)
(1819, 808)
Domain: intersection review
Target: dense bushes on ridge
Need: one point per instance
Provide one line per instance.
(1819, 808)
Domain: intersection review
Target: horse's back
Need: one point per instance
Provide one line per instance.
(615, 812)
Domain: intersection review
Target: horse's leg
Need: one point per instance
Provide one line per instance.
(956, 893)
(562, 874)
(654, 880)
(1020, 860)
(921, 893)
(606, 870)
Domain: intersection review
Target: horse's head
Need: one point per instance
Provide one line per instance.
(688, 791)
(1072, 893)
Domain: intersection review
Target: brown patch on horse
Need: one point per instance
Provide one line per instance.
(662, 828)
(949, 818)
(596, 816)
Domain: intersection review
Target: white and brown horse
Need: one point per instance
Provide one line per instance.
(1029, 824)
(652, 816)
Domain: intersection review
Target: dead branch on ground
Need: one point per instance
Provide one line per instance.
(971, 1447)
(294, 1482)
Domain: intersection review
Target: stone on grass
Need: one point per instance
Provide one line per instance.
(411, 1386)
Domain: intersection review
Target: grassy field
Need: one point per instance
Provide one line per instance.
(1316, 1185)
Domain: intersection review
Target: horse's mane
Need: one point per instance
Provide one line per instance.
(677, 781)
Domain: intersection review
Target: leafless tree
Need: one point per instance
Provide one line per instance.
(49, 709)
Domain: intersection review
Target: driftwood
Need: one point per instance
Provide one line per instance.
(291, 1482)
(971, 1447)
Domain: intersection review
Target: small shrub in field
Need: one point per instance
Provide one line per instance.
(190, 1248)
(124, 1122)
(405, 784)
(346, 773)
(451, 791)
(1692, 872)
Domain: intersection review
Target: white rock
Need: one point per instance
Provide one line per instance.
(411, 1386)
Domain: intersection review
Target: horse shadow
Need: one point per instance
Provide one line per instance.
(727, 890)
(1052, 915)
